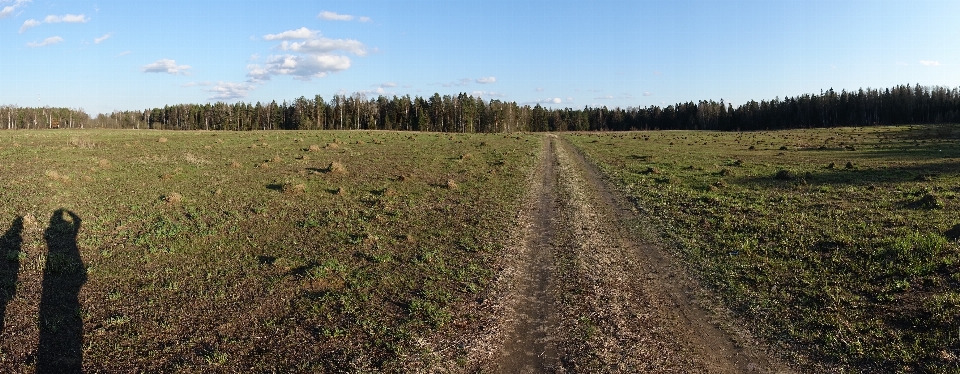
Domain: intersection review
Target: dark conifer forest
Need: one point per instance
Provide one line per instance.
(900, 105)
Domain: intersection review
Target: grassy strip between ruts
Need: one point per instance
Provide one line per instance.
(840, 242)
(260, 251)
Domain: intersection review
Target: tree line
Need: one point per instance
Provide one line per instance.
(903, 104)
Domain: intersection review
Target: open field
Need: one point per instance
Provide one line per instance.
(382, 251)
(838, 244)
(258, 251)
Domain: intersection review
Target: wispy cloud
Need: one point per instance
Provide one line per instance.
(229, 90)
(487, 80)
(313, 57)
(301, 33)
(539, 89)
(28, 24)
(487, 94)
(647, 93)
(165, 66)
(604, 97)
(124, 53)
(68, 18)
(102, 38)
(929, 63)
(48, 41)
(334, 16)
(549, 100)
(8, 10)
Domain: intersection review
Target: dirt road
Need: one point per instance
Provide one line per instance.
(584, 295)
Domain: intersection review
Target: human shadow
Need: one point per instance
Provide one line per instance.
(10, 244)
(60, 323)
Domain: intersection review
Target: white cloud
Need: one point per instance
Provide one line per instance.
(301, 33)
(9, 9)
(929, 63)
(124, 53)
(487, 94)
(539, 89)
(332, 16)
(229, 90)
(48, 41)
(165, 66)
(486, 80)
(102, 38)
(605, 97)
(314, 56)
(569, 99)
(647, 93)
(255, 57)
(68, 18)
(28, 24)
(549, 100)
(302, 67)
(325, 45)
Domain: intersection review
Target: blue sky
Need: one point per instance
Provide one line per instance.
(128, 55)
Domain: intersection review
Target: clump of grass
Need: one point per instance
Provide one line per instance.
(466, 156)
(651, 170)
(402, 178)
(849, 165)
(104, 163)
(341, 191)
(784, 175)
(928, 201)
(954, 233)
(451, 184)
(313, 148)
(173, 198)
(277, 159)
(293, 189)
(831, 165)
(82, 142)
(53, 174)
(336, 168)
(235, 165)
(162, 140)
(724, 172)
(784, 148)
(332, 146)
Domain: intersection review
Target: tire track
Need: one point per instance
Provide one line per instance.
(590, 298)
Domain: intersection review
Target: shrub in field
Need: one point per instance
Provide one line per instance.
(928, 201)
(451, 184)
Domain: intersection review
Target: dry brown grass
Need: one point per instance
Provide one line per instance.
(235, 165)
(451, 184)
(162, 140)
(336, 167)
(314, 148)
(293, 189)
(466, 156)
(332, 146)
(173, 198)
(104, 163)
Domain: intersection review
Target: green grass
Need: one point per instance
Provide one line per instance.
(836, 243)
(246, 252)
